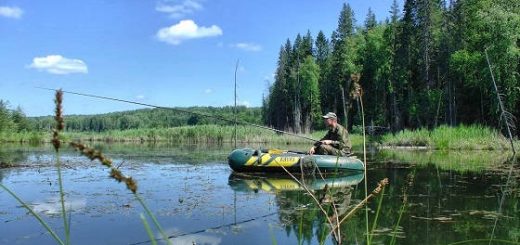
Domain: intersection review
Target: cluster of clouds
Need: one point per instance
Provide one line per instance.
(187, 29)
(183, 30)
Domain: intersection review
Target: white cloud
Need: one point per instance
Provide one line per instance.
(208, 91)
(11, 12)
(178, 10)
(52, 206)
(184, 30)
(247, 46)
(57, 64)
(244, 103)
(140, 97)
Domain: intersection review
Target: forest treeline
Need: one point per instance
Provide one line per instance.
(422, 67)
(153, 118)
(14, 120)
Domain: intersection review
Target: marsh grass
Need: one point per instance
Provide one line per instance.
(186, 134)
(31, 137)
(461, 161)
(473, 137)
(190, 134)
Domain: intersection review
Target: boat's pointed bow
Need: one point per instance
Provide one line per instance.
(239, 157)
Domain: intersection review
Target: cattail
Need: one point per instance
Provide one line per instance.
(115, 173)
(380, 186)
(356, 91)
(60, 124)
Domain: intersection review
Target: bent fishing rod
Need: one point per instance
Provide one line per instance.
(179, 110)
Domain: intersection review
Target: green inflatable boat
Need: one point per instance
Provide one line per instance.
(251, 160)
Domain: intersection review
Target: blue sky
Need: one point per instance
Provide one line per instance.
(161, 52)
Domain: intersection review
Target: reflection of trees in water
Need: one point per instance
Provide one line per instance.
(300, 214)
(10, 158)
(443, 207)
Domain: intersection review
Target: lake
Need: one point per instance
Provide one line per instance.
(431, 198)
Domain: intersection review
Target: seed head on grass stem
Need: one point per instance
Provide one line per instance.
(60, 124)
(115, 173)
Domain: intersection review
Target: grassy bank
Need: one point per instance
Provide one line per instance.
(455, 160)
(442, 138)
(25, 137)
(449, 138)
(183, 134)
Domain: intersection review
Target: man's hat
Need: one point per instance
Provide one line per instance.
(330, 115)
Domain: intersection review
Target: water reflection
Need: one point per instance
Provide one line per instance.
(284, 182)
(303, 202)
(191, 189)
(52, 206)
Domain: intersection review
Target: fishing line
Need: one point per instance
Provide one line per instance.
(212, 228)
(180, 110)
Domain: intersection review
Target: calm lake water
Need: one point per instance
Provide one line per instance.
(432, 198)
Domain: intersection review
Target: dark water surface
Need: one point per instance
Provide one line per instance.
(432, 198)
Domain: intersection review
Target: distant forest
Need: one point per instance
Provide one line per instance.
(16, 121)
(153, 118)
(422, 67)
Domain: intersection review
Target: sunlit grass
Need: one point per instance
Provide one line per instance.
(442, 138)
(448, 160)
(24, 137)
(472, 137)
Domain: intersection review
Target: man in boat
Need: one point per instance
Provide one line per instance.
(335, 142)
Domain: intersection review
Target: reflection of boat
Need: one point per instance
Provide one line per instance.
(250, 160)
(273, 183)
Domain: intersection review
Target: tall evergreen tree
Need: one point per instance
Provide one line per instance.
(278, 99)
(322, 54)
(310, 96)
(344, 62)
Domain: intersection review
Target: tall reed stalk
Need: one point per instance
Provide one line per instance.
(60, 125)
(505, 115)
(411, 178)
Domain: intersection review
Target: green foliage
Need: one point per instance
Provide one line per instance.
(310, 94)
(473, 137)
(12, 120)
(420, 69)
(151, 118)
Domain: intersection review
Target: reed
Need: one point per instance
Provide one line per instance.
(472, 137)
(189, 134)
(31, 137)
(452, 160)
(56, 142)
(411, 179)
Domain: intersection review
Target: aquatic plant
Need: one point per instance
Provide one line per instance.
(472, 137)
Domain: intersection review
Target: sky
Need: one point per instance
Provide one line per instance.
(160, 52)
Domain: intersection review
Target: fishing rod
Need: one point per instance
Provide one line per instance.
(180, 110)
